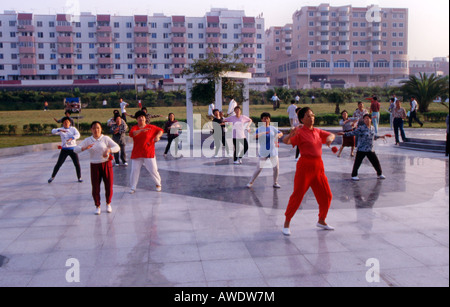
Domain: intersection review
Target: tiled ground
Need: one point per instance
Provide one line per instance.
(207, 229)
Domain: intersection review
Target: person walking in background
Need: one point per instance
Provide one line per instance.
(67, 114)
(172, 128)
(233, 104)
(391, 110)
(240, 124)
(101, 148)
(276, 101)
(366, 136)
(310, 171)
(413, 112)
(69, 136)
(399, 115)
(123, 109)
(46, 106)
(375, 110)
(211, 108)
(118, 130)
(359, 113)
(347, 126)
(145, 136)
(268, 149)
(293, 117)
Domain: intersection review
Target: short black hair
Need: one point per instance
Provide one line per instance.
(96, 122)
(66, 118)
(302, 113)
(265, 114)
(139, 114)
(345, 111)
(367, 115)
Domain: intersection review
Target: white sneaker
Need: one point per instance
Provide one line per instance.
(240, 161)
(277, 186)
(356, 178)
(117, 164)
(236, 162)
(158, 188)
(249, 185)
(108, 208)
(98, 211)
(286, 232)
(325, 227)
(126, 164)
(381, 177)
(132, 191)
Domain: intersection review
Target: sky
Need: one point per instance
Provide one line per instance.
(428, 20)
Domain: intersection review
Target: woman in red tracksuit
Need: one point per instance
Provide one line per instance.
(310, 169)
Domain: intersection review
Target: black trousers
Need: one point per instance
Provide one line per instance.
(238, 152)
(62, 157)
(123, 154)
(170, 139)
(413, 116)
(360, 155)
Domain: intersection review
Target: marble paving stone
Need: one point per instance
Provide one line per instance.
(207, 229)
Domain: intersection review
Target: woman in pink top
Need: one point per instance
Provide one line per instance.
(310, 169)
(240, 124)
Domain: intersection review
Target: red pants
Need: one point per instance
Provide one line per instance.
(310, 173)
(99, 172)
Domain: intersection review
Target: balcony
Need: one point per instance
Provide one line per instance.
(66, 61)
(143, 61)
(28, 61)
(104, 29)
(324, 18)
(249, 60)
(67, 72)
(344, 48)
(324, 28)
(64, 29)
(324, 47)
(104, 39)
(104, 50)
(106, 71)
(177, 71)
(213, 40)
(345, 18)
(324, 38)
(179, 60)
(248, 30)
(105, 60)
(142, 39)
(179, 50)
(140, 29)
(345, 38)
(140, 50)
(249, 40)
(179, 40)
(65, 39)
(27, 50)
(28, 72)
(178, 29)
(25, 28)
(212, 30)
(142, 71)
(26, 39)
(65, 50)
(248, 50)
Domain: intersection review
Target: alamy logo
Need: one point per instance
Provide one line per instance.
(73, 273)
(373, 274)
(373, 14)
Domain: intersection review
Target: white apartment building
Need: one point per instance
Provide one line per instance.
(349, 46)
(61, 50)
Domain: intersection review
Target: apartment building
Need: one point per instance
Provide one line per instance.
(57, 50)
(438, 66)
(343, 46)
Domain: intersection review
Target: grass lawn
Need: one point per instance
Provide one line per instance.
(21, 118)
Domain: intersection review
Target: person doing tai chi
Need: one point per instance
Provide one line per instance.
(101, 148)
(68, 135)
(145, 136)
(268, 149)
(310, 171)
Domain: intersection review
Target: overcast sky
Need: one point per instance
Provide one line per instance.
(428, 20)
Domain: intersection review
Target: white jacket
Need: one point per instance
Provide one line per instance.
(69, 136)
(100, 146)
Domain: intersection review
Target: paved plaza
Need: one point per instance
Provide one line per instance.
(207, 229)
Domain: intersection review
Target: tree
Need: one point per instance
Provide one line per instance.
(426, 88)
(211, 70)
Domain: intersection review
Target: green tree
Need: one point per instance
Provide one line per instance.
(426, 88)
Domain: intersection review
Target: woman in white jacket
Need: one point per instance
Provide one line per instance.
(68, 135)
(100, 149)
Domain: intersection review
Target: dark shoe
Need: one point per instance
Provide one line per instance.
(50, 180)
